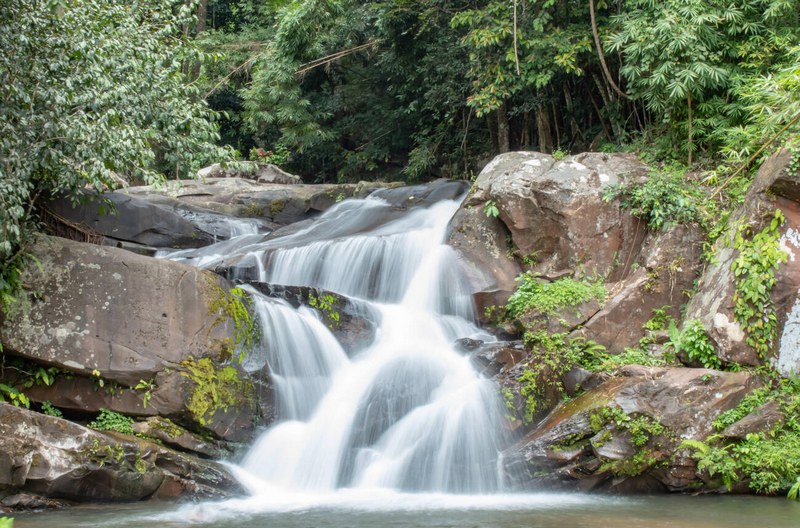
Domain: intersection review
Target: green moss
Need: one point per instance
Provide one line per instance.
(326, 304)
(276, 207)
(215, 388)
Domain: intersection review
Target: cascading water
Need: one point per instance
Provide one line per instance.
(408, 412)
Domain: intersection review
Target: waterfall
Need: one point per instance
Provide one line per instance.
(407, 412)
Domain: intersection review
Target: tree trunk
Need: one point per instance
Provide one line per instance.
(503, 139)
(543, 128)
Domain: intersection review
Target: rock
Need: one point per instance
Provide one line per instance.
(485, 257)
(102, 312)
(773, 188)
(352, 325)
(250, 170)
(670, 262)
(555, 212)
(177, 437)
(761, 420)
(491, 359)
(29, 501)
(127, 218)
(59, 459)
(423, 195)
(273, 203)
(684, 401)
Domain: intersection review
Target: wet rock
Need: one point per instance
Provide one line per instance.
(423, 195)
(105, 313)
(59, 459)
(353, 324)
(122, 218)
(684, 401)
(29, 501)
(276, 204)
(491, 359)
(484, 254)
(179, 438)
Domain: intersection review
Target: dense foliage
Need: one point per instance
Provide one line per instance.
(94, 93)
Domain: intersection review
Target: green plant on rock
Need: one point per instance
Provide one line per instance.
(6, 522)
(553, 355)
(490, 209)
(754, 270)
(549, 297)
(13, 396)
(50, 410)
(767, 461)
(667, 198)
(235, 305)
(694, 341)
(647, 435)
(215, 388)
(109, 420)
(326, 304)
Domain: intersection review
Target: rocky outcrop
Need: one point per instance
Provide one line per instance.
(249, 170)
(666, 268)
(275, 203)
(591, 442)
(117, 320)
(119, 218)
(555, 210)
(713, 304)
(552, 220)
(59, 459)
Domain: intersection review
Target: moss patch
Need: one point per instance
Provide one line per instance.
(215, 388)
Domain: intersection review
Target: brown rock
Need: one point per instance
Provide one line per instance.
(555, 210)
(761, 420)
(107, 313)
(685, 401)
(484, 255)
(59, 459)
(670, 262)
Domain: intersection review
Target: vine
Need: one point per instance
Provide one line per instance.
(754, 270)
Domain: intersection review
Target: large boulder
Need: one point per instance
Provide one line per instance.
(60, 459)
(119, 319)
(713, 304)
(588, 442)
(119, 218)
(555, 210)
(277, 203)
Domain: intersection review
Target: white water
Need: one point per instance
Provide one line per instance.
(408, 412)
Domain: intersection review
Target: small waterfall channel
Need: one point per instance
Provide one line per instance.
(406, 412)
